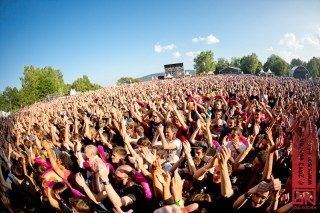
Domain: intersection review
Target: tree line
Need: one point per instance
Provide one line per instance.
(250, 64)
(39, 84)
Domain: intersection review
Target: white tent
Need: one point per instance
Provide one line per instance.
(169, 76)
(187, 74)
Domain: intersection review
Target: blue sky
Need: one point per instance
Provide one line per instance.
(110, 39)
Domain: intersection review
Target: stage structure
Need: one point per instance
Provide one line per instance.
(174, 70)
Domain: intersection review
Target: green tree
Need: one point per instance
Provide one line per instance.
(297, 62)
(3, 103)
(250, 63)
(66, 89)
(314, 67)
(204, 63)
(96, 86)
(235, 62)
(38, 83)
(221, 64)
(127, 80)
(277, 65)
(83, 84)
(11, 98)
(29, 83)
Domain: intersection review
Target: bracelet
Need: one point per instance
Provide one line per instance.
(106, 183)
(245, 152)
(248, 196)
(49, 152)
(179, 203)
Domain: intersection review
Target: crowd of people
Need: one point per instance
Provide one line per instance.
(202, 144)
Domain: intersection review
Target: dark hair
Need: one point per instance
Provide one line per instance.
(173, 127)
(143, 142)
(238, 130)
(81, 204)
(120, 151)
(66, 160)
(76, 137)
(17, 171)
(262, 156)
(64, 193)
(139, 130)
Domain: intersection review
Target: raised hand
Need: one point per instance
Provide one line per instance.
(186, 147)
(163, 177)
(80, 180)
(46, 145)
(269, 133)
(103, 171)
(160, 128)
(277, 145)
(147, 155)
(250, 141)
(224, 155)
(176, 186)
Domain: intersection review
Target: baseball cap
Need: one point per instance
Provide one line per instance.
(200, 145)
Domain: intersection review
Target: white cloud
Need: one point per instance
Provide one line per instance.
(176, 54)
(304, 47)
(288, 55)
(312, 40)
(158, 48)
(210, 39)
(270, 49)
(290, 40)
(192, 54)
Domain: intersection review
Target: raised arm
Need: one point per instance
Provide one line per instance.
(269, 162)
(226, 187)
(48, 147)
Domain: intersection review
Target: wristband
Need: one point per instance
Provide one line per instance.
(179, 203)
(248, 196)
(49, 152)
(106, 183)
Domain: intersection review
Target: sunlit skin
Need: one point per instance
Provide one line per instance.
(257, 116)
(120, 178)
(87, 153)
(155, 118)
(170, 135)
(259, 198)
(234, 135)
(60, 165)
(115, 158)
(206, 104)
(218, 105)
(217, 174)
(231, 123)
(176, 121)
(217, 118)
(199, 153)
